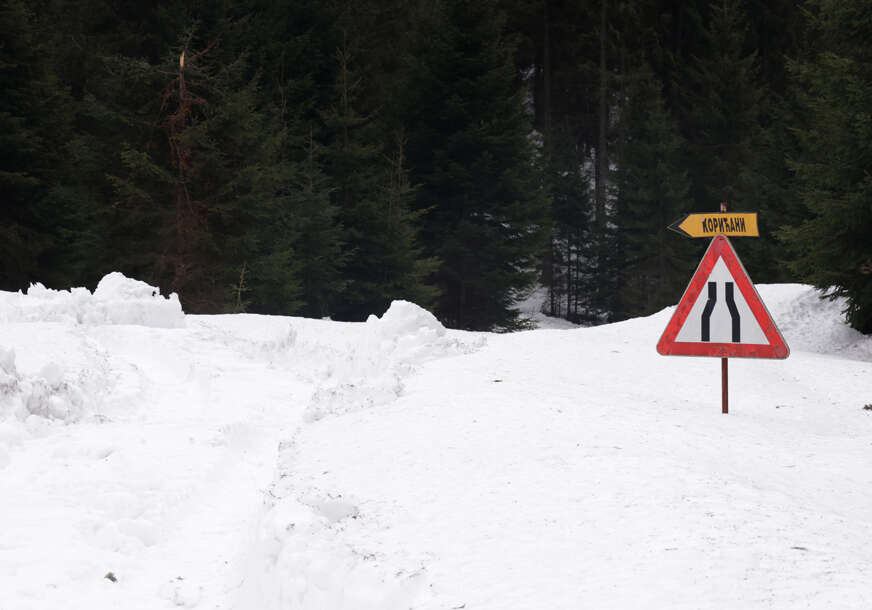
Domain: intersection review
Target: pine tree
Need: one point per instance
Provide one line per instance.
(570, 87)
(723, 98)
(571, 212)
(195, 195)
(315, 236)
(472, 162)
(33, 124)
(834, 88)
(371, 193)
(290, 49)
(651, 191)
(99, 54)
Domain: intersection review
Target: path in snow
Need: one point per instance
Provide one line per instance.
(255, 462)
(136, 442)
(159, 485)
(567, 469)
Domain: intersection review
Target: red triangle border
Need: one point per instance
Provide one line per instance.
(720, 248)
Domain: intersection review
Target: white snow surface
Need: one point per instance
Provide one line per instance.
(116, 300)
(150, 460)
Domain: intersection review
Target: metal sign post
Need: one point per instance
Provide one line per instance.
(721, 314)
(725, 387)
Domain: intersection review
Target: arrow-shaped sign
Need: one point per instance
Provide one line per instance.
(708, 225)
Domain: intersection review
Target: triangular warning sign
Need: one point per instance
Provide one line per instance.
(721, 313)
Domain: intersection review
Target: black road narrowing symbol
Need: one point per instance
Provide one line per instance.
(705, 331)
(734, 313)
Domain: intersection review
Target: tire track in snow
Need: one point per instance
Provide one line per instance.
(298, 558)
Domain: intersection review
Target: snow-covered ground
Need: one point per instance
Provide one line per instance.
(150, 459)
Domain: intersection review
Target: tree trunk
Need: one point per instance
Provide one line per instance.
(602, 164)
(548, 267)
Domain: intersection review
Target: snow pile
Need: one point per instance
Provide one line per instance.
(121, 300)
(33, 399)
(300, 560)
(812, 324)
(371, 371)
(408, 331)
(116, 300)
(299, 556)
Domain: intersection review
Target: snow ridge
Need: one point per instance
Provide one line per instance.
(46, 395)
(814, 324)
(299, 523)
(371, 372)
(116, 300)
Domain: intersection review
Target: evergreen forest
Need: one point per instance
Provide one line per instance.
(324, 157)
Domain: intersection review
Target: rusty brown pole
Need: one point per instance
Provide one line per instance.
(725, 408)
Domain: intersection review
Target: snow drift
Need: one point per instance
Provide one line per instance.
(59, 382)
(247, 461)
(116, 300)
(370, 371)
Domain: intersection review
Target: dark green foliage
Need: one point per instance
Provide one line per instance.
(197, 183)
(652, 191)
(327, 157)
(311, 238)
(471, 158)
(724, 98)
(730, 120)
(557, 52)
(32, 122)
(566, 271)
(834, 251)
(366, 162)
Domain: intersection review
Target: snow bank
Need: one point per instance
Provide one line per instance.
(371, 371)
(812, 324)
(37, 399)
(567, 469)
(301, 561)
(61, 372)
(299, 557)
(116, 300)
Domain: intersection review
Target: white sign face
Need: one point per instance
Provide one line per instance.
(721, 314)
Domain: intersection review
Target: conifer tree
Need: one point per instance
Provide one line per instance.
(570, 244)
(313, 238)
(651, 191)
(728, 117)
(33, 124)
(723, 102)
(472, 163)
(290, 48)
(834, 85)
(198, 189)
(371, 192)
(103, 60)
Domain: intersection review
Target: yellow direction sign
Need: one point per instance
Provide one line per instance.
(734, 224)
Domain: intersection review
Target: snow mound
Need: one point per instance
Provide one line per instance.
(405, 318)
(371, 371)
(38, 399)
(812, 324)
(305, 564)
(116, 300)
(407, 334)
